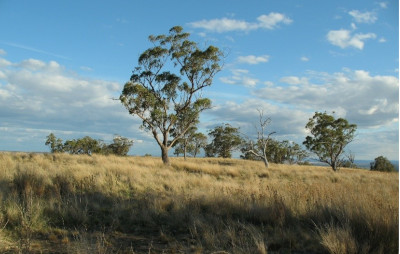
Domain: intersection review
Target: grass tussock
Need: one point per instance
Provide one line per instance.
(59, 203)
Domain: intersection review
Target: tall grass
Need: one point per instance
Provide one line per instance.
(59, 203)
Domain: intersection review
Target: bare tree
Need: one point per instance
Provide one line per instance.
(259, 147)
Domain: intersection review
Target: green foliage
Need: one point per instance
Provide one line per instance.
(55, 144)
(225, 139)
(277, 152)
(381, 163)
(162, 95)
(329, 137)
(198, 141)
(88, 145)
(295, 153)
(85, 145)
(183, 144)
(191, 142)
(120, 146)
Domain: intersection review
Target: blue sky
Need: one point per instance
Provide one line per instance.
(62, 62)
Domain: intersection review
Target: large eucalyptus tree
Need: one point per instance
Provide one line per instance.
(165, 88)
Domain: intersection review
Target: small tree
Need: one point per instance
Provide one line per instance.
(183, 143)
(55, 144)
(85, 145)
(225, 139)
(246, 155)
(329, 138)
(160, 98)
(198, 141)
(295, 153)
(382, 164)
(120, 146)
(349, 162)
(190, 143)
(259, 148)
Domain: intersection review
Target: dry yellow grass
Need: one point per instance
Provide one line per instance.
(61, 202)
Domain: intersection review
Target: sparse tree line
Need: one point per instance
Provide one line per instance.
(225, 139)
(165, 92)
(87, 145)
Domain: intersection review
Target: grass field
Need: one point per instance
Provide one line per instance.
(60, 203)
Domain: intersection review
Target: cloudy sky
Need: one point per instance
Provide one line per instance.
(63, 62)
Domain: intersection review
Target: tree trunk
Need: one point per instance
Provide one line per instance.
(265, 162)
(164, 155)
(335, 166)
(264, 158)
(184, 150)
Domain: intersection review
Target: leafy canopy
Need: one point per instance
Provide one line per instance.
(225, 140)
(329, 137)
(381, 163)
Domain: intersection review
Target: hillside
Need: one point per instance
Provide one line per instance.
(59, 203)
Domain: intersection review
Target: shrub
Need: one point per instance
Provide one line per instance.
(382, 164)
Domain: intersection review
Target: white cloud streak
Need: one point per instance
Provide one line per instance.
(251, 59)
(32, 49)
(293, 80)
(304, 59)
(383, 5)
(270, 21)
(363, 17)
(240, 77)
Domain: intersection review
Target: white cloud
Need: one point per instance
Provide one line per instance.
(86, 68)
(34, 92)
(2, 52)
(4, 62)
(363, 17)
(365, 99)
(251, 59)
(38, 97)
(239, 77)
(285, 121)
(304, 59)
(382, 40)
(344, 38)
(32, 64)
(268, 83)
(202, 34)
(270, 21)
(223, 25)
(383, 5)
(370, 101)
(293, 80)
(237, 72)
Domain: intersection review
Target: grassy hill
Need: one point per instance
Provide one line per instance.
(59, 203)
